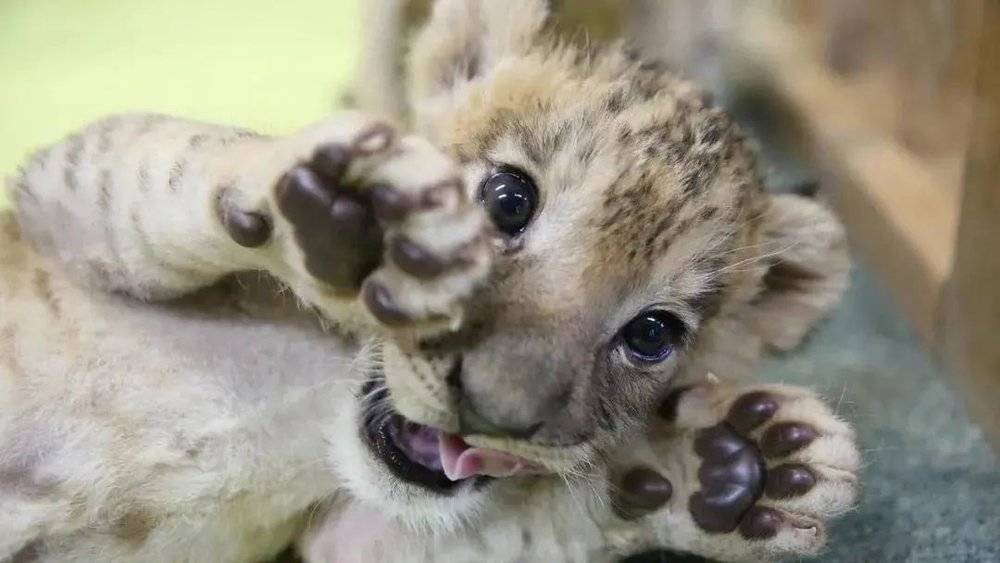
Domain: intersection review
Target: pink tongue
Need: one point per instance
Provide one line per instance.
(460, 460)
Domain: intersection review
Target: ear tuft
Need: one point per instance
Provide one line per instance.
(514, 26)
(464, 38)
(806, 277)
(800, 282)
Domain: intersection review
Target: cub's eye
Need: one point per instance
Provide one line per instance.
(509, 196)
(651, 336)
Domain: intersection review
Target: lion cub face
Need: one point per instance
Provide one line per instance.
(636, 245)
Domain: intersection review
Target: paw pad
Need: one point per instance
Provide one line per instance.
(751, 410)
(380, 303)
(641, 491)
(733, 475)
(789, 480)
(786, 437)
(760, 471)
(760, 523)
(386, 219)
(335, 230)
(246, 228)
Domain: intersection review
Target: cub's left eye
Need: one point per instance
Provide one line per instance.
(509, 196)
(651, 336)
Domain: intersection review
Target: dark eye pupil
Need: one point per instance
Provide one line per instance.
(509, 198)
(513, 204)
(649, 336)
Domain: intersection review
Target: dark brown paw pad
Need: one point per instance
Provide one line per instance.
(249, 229)
(393, 205)
(751, 410)
(389, 203)
(342, 227)
(789, 480)
(733, 475)
(785, 438)
(421, 263)
(732, 478)
(332, 161)
(387, 310)
(335, 228)
(760, 523)
(380, 302)
(640, 492)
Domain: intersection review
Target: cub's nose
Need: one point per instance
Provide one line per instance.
(499, 414)
(471, 422)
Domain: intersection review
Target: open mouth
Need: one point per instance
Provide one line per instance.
(426, 456)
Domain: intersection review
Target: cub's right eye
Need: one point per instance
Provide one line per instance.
(510, 197)
(652, 336)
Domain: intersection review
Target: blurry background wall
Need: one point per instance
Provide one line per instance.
(894, 106)
(264, 64)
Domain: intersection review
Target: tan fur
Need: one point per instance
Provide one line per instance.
(551, 520)
(210, 428)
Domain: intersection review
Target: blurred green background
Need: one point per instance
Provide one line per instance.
(268, 65)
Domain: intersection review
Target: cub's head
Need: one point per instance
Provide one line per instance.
(638, 250)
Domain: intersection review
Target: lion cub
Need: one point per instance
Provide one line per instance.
(455, 345)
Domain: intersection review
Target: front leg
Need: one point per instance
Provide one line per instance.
(158, 207)
(742, 474)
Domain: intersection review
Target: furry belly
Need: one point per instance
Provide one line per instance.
(141, 432)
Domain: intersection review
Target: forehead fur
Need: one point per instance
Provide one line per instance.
(649, 174)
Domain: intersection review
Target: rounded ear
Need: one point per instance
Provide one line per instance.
(463, 39)
(804, 275)
(807, 275)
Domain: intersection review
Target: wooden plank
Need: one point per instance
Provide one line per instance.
(971, 335)
(902, 221)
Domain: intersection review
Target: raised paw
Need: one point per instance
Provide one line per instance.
(754, 473)
(387, 219)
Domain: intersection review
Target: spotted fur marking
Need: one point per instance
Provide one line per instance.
(104, 190)
(177, 172)
(143, 175)
(42, 284)
(134, 527)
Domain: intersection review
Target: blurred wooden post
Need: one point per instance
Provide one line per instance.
(879, 98)
(970, 332)
(935, 56)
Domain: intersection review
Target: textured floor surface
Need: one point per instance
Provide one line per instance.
(931, 483)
